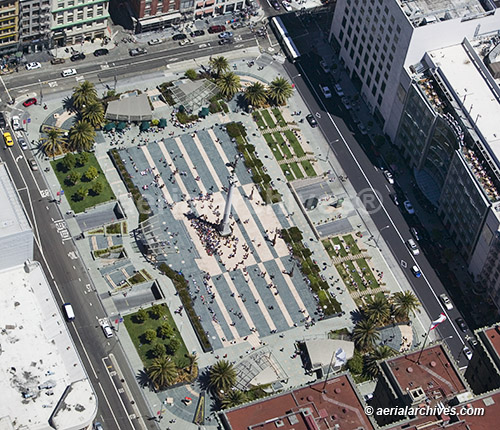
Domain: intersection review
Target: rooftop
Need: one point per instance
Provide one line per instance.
(306, 408)
(493, 335)
(12, 217)
(425, 12)
(434, 378)
(48, 385)
(130, 107)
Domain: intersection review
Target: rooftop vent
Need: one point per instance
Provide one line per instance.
(279, 423)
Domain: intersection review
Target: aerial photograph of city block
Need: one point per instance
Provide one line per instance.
(250, 214)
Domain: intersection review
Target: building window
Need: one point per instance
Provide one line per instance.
(372, 67)
(368, 81)
(357, 62)
(365, 60)
(355, 40)
(341, 35)
(363, 71)
(377, 77)
(351, 53)
(379, 100)
(344, 22)
(349, 31)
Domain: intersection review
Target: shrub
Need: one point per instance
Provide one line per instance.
(156, 311)
(158, 350)
(172, 346)
(256, 178)
(155, 122)
(98, 187)
(69, 161)
(74, 177)
(150, 335)
(235, 129)
(184, 118)
(141, 316)
(83, 158)
(165, 331)
(91, 173)
(81, 193)
(191, 74)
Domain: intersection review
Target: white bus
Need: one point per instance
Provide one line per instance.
(285, 40)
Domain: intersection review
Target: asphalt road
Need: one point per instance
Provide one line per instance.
(375, 192)
(55, 250)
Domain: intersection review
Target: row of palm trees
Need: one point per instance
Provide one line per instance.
(256, 94)
(81, 135)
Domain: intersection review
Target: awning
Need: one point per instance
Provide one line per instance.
(109, 126)
(198, 13)
(199, 4)
(204, 112)
(144, 125)
(121, 126)
(207, 11)
(209, 2)
(162, 123)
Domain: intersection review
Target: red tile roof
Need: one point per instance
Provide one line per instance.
(493, 335)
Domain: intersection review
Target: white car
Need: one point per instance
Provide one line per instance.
(156, 41)
(413, 247)
(16, 123)
(108, 331)
(389, 177)
(287, 6)
(33, 66)
(416, 271)
(324, 66)
(446, 301)
(21, 140)
(326, 91)
(68, 72)
(467, 352)
(409, 207)
(339, 90)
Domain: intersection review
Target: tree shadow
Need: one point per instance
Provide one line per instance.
(241, 102)
(144, 380)
(204, 380)
(69, 105)
(357, 316)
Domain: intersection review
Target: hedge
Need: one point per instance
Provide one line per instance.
(181, 287)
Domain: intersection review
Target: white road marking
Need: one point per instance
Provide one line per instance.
(109, 406)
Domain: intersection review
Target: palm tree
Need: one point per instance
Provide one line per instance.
(365, 334)
(229, 84)
(52, 144)
(81, 136)
(404, 304)
(162, 371)
(219, 65)
(93, 113)
(371, 368)
(255, 94)
(193, 361)
(222, 376)
(279, 90)
(378, 309)
(84, 94)
(233, 398)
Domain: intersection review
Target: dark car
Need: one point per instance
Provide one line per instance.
(197, 33)
(2, 120)
(57, 61)
(461, 324)
(216, 29)
(78, 56)
(29, 102)
(99, 52)
(276, 5)
(225, 41)
(137, 51)
(311, 120)
(415, 233)
(180, 36)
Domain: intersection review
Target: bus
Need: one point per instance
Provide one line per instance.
(285, 40)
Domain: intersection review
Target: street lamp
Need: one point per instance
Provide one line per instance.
(379, 233)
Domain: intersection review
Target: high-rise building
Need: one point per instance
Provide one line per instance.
(9, 22)
(75, 21)
(34, 25)
(378, 39)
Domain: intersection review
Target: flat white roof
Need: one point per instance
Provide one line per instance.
(476, 95)
(12, 217)
(42, 380)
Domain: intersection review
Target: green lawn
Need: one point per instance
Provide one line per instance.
(136, 331)
(279, 117)
(273, 145)
(336, 241)
(353, 247)
(329, 247)
(308, 168)
(286, 168)
(70, 190)
(258, 119)
(267, 118)
(282, 144)
(296, 170)
(299, 152)
(356, 276)
(362, 264)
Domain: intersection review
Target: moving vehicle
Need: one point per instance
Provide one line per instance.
(137, 51)
(226, 35)
(346, 102)
(197, 33)
(287, 6)
(21, 140)
(413, 247)
(108, 331)
(8, 139)
(467, 352)
(311, 120)
(179, 36)
(416, 271)
(216, 29)
(446, 301)
(16, 123)
(389, 177)
(57, 61)
(339, 90)
(29, 102)
(225, 41)
(33, 66)
(156, 41)
(33, 164)
(68, 311)
(68, 72)
(2, 120)
(324, 66)
(185, 42)
(99, 52)
(461, 324)
(395, 199)
(326, 91)
(78, 56)
(409, 207)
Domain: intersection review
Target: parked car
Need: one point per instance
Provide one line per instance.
(156, 41)
(287, 6)
(461, 324)
(276, 5)
(16, 123)
(57, 61)
(395, 199)
(225, 41)
(108, 331)
(236, 25)
(98, 426)
(346, 102)
(362, 128)
(2, 120)
(467, 352)
(21, 140)
(68, 72)
(29, 102)
(216, 29)
(226, 35)
(446, 301)
(389, 177)
(415, 234)
(101, 51)
(326, 91)
(78, 56)
(137, 51)
(33, 164)
(409, 207)
(179, 36)
(197, 33)
(416, 271)
(33, 66)
(324, 66)
(8, 139)
(413, 247)
(472, 342)
(311, 120)
(339, 90)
